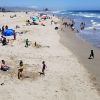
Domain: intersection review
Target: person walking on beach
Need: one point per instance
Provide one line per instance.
(44, 67)
(27, 43)
(91, 55)
(20, 69)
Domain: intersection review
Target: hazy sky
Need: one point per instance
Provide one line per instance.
(60, 4)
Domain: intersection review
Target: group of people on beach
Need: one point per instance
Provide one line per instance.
(4, 28)
(5, 67)
(82, 26)
(69, 24)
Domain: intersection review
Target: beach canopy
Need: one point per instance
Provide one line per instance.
(35, 18)
(44, 16)
(8, 32)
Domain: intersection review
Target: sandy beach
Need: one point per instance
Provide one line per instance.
(66, 77)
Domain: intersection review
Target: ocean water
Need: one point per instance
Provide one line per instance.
(91, 20)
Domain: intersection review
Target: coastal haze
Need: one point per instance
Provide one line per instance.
(53, 40)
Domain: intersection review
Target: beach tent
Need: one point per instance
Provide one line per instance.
(8, 32)
(44, 16)
(35, 18)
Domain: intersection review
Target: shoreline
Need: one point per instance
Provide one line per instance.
(81, 49)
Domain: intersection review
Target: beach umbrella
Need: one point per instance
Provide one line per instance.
(8, 32)
(44, 16)
(35, 18)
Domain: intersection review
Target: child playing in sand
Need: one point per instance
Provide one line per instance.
(20, 69)
(4, 67)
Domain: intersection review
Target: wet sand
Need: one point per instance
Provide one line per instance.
(81, 49)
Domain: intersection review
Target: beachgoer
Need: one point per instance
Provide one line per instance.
(91, 55)
(94, 29)
(4, 41)
(51, 22)
(27, 43)
(20, 69)
(2, 30)
(44, 67)
(56, 28)
(4, 67)
(35, 44)
(6, 27)
(14, 35)
(82, 25)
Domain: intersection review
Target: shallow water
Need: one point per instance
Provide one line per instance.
(91, 19)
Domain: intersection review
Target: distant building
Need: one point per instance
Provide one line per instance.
(46, 9)
(2, 9)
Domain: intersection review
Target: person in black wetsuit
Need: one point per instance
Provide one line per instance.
(91, 55)
(44, 67)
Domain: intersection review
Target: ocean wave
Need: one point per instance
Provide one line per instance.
(87, 15)
(56, 12)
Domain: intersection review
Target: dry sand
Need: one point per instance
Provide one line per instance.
(65, 78)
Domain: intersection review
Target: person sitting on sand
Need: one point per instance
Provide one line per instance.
(44, 67)
(4, 41)
(20, 69)
(27, 43)
(91, 55)
(4, 67)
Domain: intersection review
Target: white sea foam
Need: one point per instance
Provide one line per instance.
(56, 12)
(88, 15)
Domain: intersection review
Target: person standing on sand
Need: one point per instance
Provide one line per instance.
(91, 55)
(20, 69)
(6, 27)
(3, 29)
(14, 35)
(44, 67)
(27, 43)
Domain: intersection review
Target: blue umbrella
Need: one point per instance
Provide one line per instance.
(8, 32)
